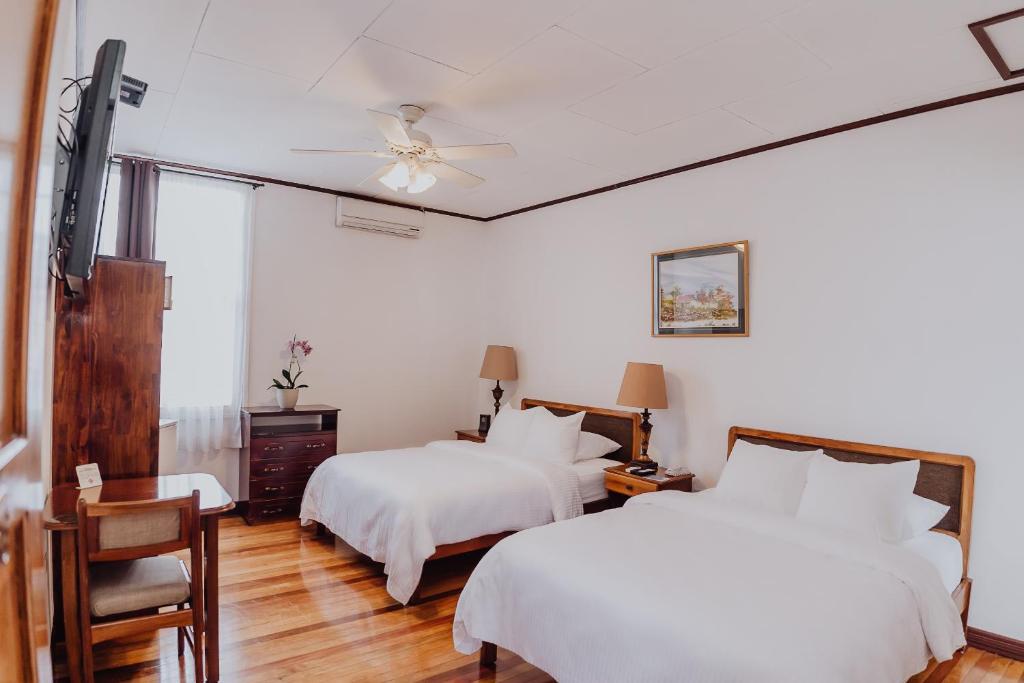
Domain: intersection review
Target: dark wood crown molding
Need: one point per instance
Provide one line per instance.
(978, 29)
(750, 151)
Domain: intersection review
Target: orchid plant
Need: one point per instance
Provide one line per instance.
(299, 349)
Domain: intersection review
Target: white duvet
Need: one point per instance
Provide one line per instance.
(397, 506)
(681, 587)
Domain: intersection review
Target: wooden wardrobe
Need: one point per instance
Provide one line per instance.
(106, 371)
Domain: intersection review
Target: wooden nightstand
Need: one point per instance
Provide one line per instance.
(470, 435)
(617, 480)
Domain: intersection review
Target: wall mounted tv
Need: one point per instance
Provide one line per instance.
(83, 162)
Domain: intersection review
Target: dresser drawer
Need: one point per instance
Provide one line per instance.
(265, 489)
(627, 486)
(287, 469)
(271, 448)
(270, 510)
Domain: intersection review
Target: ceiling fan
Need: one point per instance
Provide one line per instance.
(418, 164)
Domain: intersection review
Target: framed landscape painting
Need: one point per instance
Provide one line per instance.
(701, 291)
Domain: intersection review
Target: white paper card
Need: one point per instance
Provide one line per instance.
(88, 476)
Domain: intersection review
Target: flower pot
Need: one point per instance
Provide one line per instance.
(287, 398)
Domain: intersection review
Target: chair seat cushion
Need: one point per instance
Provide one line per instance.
(118, 587)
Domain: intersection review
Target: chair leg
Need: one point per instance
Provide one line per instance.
(181, 635)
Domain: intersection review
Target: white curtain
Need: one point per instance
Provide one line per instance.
(204, 233)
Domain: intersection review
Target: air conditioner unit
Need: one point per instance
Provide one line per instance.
(386, 220)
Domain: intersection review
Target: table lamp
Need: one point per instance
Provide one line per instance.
(643, 386)
(499, 364)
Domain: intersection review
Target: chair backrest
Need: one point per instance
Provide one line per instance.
(111, 532)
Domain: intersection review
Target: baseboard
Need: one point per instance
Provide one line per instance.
(995, 643)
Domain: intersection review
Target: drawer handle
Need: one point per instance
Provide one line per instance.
(267, 449)
(322, 444)
(271, 489)
(310, 467)
(274, 469)
(273, 511)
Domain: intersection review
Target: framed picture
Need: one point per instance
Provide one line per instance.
(701, 291)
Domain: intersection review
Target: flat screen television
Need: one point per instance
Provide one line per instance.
(83, 163)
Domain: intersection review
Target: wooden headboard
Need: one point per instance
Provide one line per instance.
(621, 426)
(946, 478)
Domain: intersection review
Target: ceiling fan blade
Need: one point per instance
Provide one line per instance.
(378, 174)
(350, 152)
(501, 150)
(456, 175)
(390, 127)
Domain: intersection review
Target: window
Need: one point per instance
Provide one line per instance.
(203, 233)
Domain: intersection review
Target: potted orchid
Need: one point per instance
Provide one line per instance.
(287, 392)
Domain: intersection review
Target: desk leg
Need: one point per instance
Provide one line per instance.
(69, 597)
(212, 598)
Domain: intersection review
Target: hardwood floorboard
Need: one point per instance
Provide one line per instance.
(296, 607)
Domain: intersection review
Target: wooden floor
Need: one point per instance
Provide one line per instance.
(295, 609)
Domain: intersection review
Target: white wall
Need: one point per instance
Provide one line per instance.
(885, 306)
(394, 323)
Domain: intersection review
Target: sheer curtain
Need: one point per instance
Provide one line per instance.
(203, 232)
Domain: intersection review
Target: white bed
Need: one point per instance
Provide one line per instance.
(724, 593)
(399, 507)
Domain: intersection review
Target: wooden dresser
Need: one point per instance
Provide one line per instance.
(280, 450)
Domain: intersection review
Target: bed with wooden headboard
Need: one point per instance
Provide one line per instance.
(943, 477)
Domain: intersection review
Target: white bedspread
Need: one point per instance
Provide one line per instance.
(397, 506)
(723, 595)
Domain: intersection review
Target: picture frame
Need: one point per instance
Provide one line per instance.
(485, 423)
(701, 291)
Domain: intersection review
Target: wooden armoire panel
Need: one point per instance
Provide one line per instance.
(106, 388)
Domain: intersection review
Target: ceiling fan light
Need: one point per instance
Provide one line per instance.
(422, 182)
(397, 177)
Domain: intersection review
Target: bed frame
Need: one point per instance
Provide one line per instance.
(622, 427)
(946, 478)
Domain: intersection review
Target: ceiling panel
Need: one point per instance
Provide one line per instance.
(159, 36)
(377, 76)
(298, 39)
(734, 68)
(660, 31)
(137, 131)
(843, 31)
(1008, 38)
(467, 34)
(550, 72)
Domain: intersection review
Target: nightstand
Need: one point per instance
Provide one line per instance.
(617, 480)
(471, 435)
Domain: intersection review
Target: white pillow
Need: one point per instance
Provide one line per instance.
(764, 477)
(553, 439)
(594, 446)
(922, 514)
(509, 428)
(867, 500)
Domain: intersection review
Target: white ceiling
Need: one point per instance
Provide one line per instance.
(591, 92)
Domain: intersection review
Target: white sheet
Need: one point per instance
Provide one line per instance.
(944, 553)
(397, 506)
(591, 475)
(727, 595)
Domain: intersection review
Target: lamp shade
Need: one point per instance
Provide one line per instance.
(499, 363)
(643, 386)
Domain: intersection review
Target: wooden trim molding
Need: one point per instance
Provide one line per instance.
(750, 151)
(1003, 646)
(205, 170)
(978, 30)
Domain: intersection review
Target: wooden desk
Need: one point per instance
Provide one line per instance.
(60, 515)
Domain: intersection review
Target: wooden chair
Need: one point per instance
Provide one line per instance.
(125, 574)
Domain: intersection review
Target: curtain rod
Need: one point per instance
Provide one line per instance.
(170, 169)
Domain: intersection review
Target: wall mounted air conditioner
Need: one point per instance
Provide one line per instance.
(379, 218)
